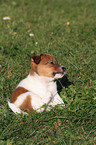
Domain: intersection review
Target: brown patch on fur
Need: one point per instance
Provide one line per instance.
(45, 68)
(33, 68)
(18, 91)
(26, 105)
(42, 66)
(35, 60)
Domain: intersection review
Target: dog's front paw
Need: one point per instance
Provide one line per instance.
(47, 98)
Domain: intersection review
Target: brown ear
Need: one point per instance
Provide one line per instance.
(36, 58)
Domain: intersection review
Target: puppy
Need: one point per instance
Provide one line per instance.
(39, 87)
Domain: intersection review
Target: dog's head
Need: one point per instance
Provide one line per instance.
(47, 66)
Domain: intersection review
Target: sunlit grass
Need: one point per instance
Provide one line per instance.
(67, 30)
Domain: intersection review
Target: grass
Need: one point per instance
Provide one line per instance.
(73, 45)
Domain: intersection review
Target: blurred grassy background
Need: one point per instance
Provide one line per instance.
(65, 29)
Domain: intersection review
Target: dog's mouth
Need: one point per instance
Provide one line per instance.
(54, 73)
(59, 73)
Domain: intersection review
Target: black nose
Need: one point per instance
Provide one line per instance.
(63, 68)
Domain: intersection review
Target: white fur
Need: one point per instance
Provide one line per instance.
(15, 109)
(43, 90)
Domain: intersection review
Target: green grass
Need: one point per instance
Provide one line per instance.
(73, 45)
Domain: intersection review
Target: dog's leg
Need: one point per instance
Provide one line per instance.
(57, 100)
(15, 109)
(47, 98)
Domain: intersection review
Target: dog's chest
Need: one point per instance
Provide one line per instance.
(44, 88)
(41, 87)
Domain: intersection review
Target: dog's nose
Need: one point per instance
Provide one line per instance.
(63, 68)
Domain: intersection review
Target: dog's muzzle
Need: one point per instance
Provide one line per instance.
(60, 70)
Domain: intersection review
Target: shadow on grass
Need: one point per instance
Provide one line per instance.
(64, 82)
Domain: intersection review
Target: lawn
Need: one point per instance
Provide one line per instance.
(65, 29)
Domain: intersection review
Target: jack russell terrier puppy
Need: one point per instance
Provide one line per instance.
(39, 87)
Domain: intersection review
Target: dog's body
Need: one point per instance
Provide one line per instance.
(39, 87)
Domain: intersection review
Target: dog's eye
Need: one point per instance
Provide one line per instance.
(51, 62)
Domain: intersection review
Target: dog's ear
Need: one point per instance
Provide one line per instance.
(36, 58)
